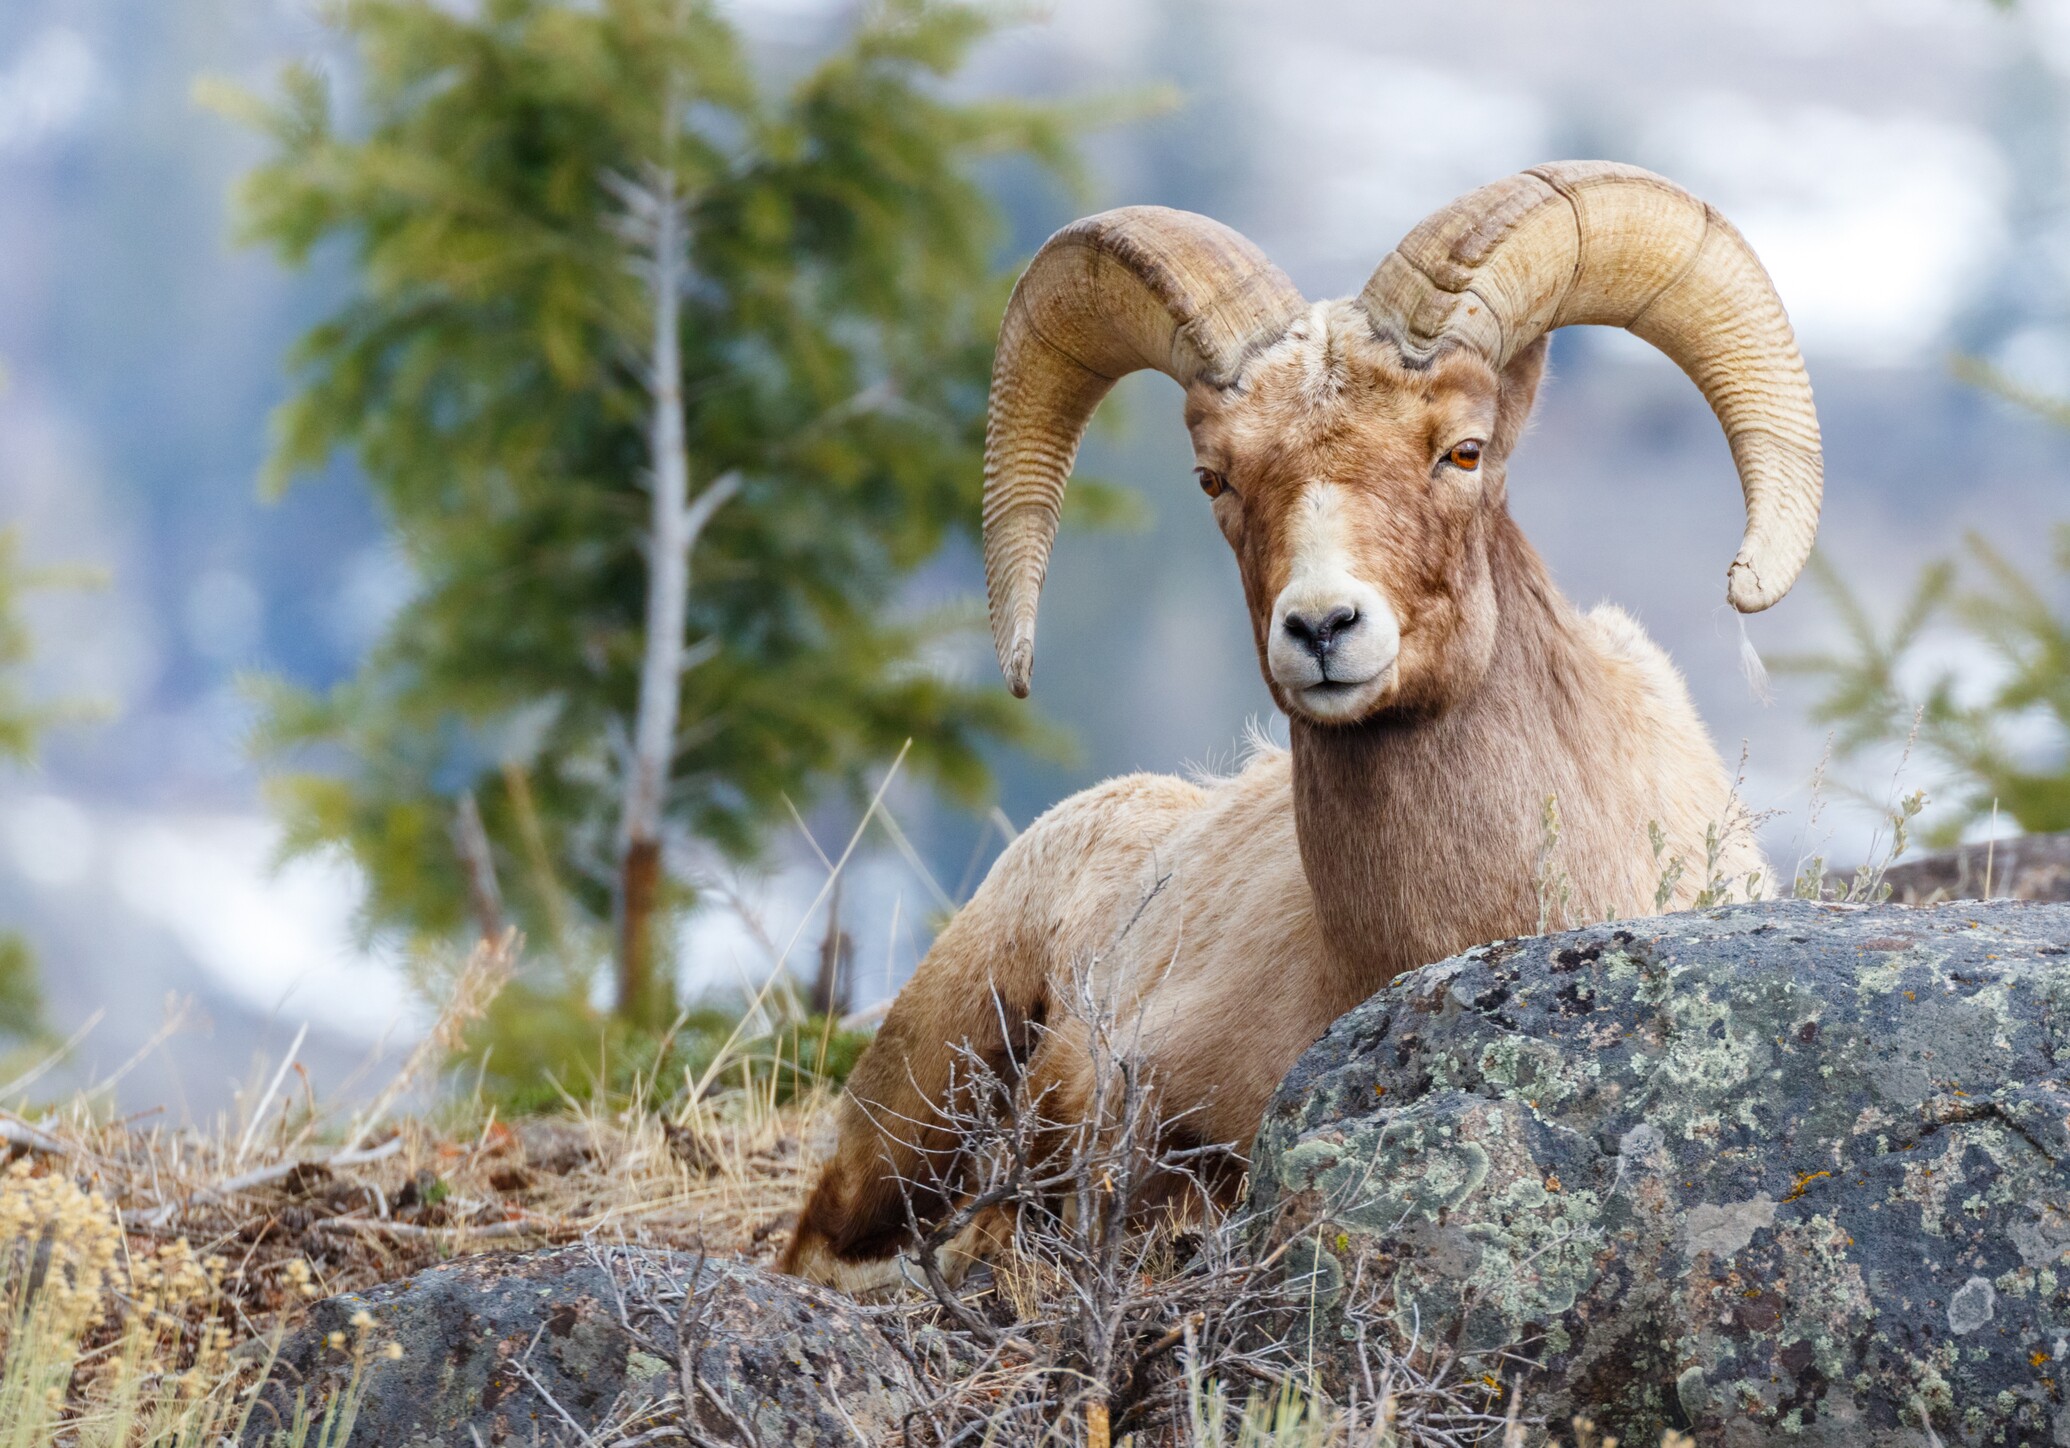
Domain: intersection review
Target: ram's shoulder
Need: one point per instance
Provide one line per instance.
(1068, 864)
(1644, 664)
(1131, 807)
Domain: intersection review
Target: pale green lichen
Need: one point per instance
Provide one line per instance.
(1786, 1109)
(1538, 1250)
(1533, 1071)
(1619, 967)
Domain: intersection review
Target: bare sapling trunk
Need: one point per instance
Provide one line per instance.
(471, 844)
(832, 985)
(656, 224)
(517, 787)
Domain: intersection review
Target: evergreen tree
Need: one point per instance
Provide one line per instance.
(544, 201)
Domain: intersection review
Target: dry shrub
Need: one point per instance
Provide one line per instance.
(101, 1345)
(1115, 1300)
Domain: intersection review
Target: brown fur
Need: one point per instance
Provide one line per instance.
(1280, 897)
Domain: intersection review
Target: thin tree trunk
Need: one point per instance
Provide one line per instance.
(525, 810)
(832, 986)
(675, 521)
(471, 844)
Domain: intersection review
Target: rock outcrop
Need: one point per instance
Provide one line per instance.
(2026, 867)
(1775, 1173)
(563, 1345)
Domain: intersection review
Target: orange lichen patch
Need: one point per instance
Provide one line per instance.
(1804, 1179)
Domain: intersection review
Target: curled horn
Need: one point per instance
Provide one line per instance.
(1140, 287)
(1593, 242)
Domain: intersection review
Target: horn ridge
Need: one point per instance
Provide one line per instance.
(1597, 242)
(1134, 288)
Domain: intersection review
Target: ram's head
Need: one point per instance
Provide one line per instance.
(1354, 451)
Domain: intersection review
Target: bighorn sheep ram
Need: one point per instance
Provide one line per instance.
(1438, 686)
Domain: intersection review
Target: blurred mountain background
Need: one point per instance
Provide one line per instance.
(1899, 165)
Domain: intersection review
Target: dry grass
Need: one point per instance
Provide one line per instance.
(137, 1259)
(142, 1268)
(164, 1248)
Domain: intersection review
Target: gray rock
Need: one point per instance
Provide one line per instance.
(2026, 867)
(1783, 1172)
(527, 1347)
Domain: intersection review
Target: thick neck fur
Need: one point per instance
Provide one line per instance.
(1412, 827)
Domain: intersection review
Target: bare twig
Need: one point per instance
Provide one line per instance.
(251, 1127)
(487, 970)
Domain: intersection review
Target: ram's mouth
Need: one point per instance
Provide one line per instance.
(1342, 701)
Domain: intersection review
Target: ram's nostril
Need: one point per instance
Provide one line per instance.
(1317, 634)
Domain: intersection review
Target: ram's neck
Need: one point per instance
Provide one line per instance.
(1422, 837)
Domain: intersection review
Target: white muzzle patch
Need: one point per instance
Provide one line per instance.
(1334, 639)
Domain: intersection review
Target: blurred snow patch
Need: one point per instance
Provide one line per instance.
(2037, 357)
(1874, 228)
(280, 938)
(2048, 22)
(51, 840)
(1371, 165)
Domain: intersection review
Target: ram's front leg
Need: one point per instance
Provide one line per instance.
(959, 1034)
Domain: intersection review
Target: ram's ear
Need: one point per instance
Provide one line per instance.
(1520, 381)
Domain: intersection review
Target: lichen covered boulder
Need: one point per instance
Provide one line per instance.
(1782, 1172)
(557, 1346)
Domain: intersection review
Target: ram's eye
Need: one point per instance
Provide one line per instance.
(1211, 482)
(1466, 456)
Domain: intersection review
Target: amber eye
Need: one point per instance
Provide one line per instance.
(1466, 457)
(1211, 482)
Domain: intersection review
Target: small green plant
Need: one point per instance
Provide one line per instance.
(1670, 870)
(2002, 740)
(1867, 886)
(1813, 881)
(1555, 886)
(1716, 888)
(1285, 1419)
(541, 1050)
(1810, 883)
